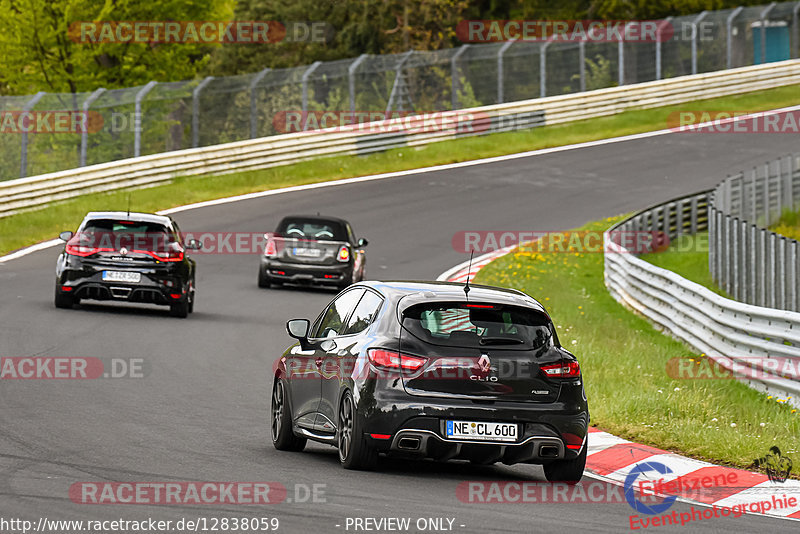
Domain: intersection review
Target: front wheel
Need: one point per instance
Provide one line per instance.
(263, 280)
(354, 451)
(569, 471)
(283, 438)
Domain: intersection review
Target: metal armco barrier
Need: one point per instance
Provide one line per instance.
(749, 262)
(38, 191)
(737, 336)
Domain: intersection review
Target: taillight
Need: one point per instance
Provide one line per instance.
(168, 255)
(390, 359)
(81, 250)
(270, 250)
(563, 369)
(344, 253)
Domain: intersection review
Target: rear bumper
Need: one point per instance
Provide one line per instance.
(298, 273)
(151, 289)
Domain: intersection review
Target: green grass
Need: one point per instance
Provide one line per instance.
(688, 257)
(24, 229)
(624, 359)
(788, 225)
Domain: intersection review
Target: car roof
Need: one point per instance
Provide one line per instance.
(129, 216)
(420, 291)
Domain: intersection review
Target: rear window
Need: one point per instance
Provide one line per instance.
(312, 230)
(479, 325)
(116, 233)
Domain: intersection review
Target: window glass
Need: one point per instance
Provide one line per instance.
(478, 325)
(364, 313)
(312, 229)
(331, 322)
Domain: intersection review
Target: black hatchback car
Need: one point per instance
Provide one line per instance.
(312, 250)
(127, 257)
(424, 369)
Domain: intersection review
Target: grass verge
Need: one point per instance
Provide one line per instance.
(788, 225)
(688, 257)
(24, 229)
(624, 361)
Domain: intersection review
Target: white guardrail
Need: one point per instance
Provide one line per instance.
(38, 191)
(761, 345)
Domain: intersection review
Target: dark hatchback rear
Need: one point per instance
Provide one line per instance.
(312, 250)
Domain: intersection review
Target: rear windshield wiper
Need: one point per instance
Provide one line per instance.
(501, 341)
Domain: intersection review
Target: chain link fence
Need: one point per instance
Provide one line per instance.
(160, 117)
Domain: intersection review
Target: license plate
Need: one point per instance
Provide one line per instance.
(481, 431)
(307, 252)
(122, 276)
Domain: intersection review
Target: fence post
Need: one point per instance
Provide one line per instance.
(790, 170)
(771, 261)
(728, 267)
(781, 274)
(582, 61)
(196, 110)
(351, 81)
(621, 58)
(543, 67)
(309, 71)
(85, 123)
(796, 27)
(137, 117)
(752, 254)
(729, 34)
(734, 257)
(762, 267)
(500, 78)
(694, 23)
(763, 18)
(658, 45)
(754, 198)
(779, 183)
(767, 199)
(741, 259)
(795, 303)
(455, 84)
(253, 112)
(23, 155)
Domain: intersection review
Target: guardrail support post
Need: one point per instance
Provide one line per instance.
(694, 23)
(85, 123)
(763, 18)
(621, 57)
(767, 199)
(734, 258)
(455, 84)
(781, 273)
(729, 34)
(23, 155)
(253, 111)
(771, 261)
(137, 117)
(309, 71)
(500, 77)
(351, 82)
(196, 110)
(794, 272)
(660, 27)
(752, 255)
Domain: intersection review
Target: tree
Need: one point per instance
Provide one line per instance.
(38, 51)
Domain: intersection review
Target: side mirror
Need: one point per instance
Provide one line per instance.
(363, 242)
(65, 236)
(298, 329)
(194, 244)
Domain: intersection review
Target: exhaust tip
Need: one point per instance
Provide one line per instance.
(410, 443)
(548, 451)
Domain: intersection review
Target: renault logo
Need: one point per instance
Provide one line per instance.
(123, 251)
(484, 364)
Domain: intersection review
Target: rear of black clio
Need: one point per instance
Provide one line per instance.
(312, 250)
(439, 375)
(126, 257)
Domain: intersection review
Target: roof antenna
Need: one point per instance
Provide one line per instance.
(469, 270)
(129, 205)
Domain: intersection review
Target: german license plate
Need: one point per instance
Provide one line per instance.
(307, 252)
(122, 276)
(481, 431)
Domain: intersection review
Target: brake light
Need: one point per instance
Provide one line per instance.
(344, 253)
(390, 359)
(170, 255)
(572, 441)
(82, 250)
(270, 250)
(564, 369)
(484, 306)
(380, 436)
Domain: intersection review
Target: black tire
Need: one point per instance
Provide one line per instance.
(283, 437)
(191, 302)
(62, 300)
(263, 279)
(569, 471)
(180, 309)
(354, 451)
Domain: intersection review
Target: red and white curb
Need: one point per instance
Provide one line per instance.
(611, 459)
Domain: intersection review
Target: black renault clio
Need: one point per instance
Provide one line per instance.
(126, 257)
(428, 370)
